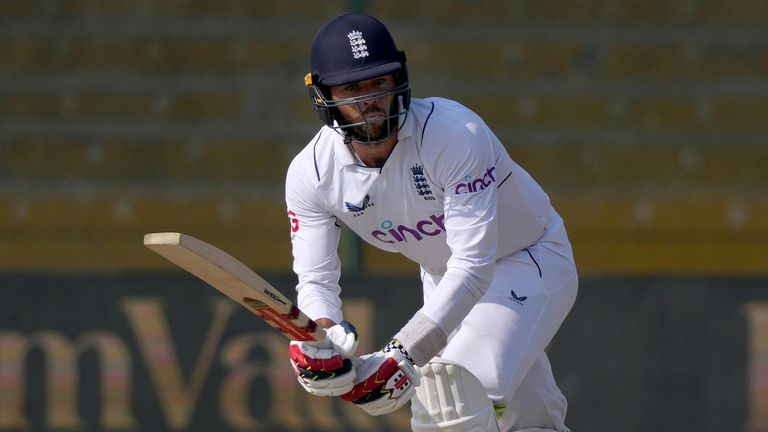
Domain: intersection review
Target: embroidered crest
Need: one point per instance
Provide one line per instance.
(356, 41)
(420, 183)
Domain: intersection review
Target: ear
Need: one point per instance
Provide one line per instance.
(318, 95)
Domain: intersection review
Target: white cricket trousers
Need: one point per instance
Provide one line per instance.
(503, 338)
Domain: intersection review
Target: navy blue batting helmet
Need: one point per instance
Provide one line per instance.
(351, 48)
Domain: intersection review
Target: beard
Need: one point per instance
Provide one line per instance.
(375, 129)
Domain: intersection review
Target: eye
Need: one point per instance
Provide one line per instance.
(351, 87)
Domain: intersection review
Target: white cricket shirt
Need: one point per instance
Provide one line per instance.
(449, 198)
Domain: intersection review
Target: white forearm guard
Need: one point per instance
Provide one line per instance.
(422, 338)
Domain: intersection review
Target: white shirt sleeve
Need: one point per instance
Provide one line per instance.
(314, 239)
(465, 166)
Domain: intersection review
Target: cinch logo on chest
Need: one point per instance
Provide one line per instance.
(428, 227)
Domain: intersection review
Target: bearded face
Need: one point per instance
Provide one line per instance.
(368, 109)
(372, 123)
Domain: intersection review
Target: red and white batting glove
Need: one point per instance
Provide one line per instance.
(386, 380)
(324, 368)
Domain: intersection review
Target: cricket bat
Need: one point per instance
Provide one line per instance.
(236, 281)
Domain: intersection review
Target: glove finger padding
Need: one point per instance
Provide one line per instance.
(386, 380)
(343, 338)
(323, 368)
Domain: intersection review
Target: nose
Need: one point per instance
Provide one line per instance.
(370, 104)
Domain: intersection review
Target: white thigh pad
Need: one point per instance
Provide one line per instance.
(451, 399)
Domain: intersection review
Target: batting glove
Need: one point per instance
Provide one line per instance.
(324, 368)
(386, 380)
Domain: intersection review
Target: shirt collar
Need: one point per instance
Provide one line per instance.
(406, 130)
(344, 154)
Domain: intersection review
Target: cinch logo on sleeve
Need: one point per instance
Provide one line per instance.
(401, 233)
(471, 186)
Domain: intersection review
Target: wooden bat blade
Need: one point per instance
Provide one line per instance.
(236, 280)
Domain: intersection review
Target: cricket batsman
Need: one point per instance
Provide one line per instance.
(426, 178)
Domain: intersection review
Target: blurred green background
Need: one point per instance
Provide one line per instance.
(646, 121)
